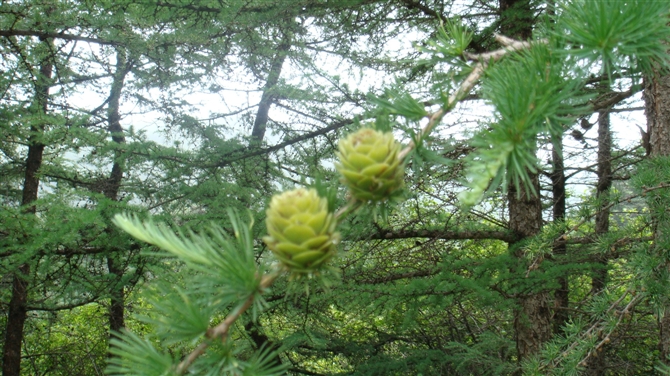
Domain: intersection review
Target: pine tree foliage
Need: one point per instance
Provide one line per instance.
(523, 92)
(227, 277)
(427, 284)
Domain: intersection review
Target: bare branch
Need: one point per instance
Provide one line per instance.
(44, 35)
(440, 234)
(467, 85)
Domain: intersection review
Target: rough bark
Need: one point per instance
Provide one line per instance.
(657, 108)
(16, 318)
(532, 320)
(111, 189)
(117, 307)
(561, 295)
(112, 186)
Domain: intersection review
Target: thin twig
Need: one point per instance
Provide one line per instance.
(564, 237)
(596, 328)
(610, 205)
(350, 207)
(435, 118)
(633, 302)
(510, 44)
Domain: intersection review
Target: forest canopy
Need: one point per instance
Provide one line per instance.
(331, 187)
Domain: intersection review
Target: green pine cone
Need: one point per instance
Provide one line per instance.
(301, 230)
(369, 164)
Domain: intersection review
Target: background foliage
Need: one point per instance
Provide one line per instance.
(189, 115)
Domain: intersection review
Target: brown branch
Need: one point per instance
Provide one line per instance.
(92, 299)
(439, 234)
(611, 204)
(67, 252)
(564, 237)
(45, 35)
(203, 9)
(414, 4)
(230, 158)
(511, 45)
(396, 277)
(610, 99)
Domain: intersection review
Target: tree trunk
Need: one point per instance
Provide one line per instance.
(561, 295)
(259, 171)
(261, 120)
(257, 135)
(596, 365)
(117, 308)
(604, 172)
(17, 305)
(657, 108)
(111, 189)
(532, 320)
(516, 18)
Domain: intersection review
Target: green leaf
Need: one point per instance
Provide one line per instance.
(136, 356)
(622, 34)
(228, 262)
(176, 316)
(264, 363)
(401, 104)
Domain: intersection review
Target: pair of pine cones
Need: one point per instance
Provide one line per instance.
(301, 229)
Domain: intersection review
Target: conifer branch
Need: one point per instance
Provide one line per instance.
(625, 312)
(564, 237)
(610, 99)
(221, 330)
(463, 90)
(245, 153)
(597, 329)
(383, 234)
(61, 35)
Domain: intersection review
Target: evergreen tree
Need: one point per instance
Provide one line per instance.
(455, 274)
